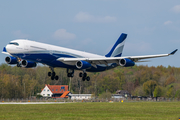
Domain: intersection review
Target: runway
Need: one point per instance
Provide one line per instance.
(34, 102)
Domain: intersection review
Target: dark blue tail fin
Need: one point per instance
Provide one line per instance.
(117, 49)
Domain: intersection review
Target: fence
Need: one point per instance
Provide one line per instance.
(90, 100)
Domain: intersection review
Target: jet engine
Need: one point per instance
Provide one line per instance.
(11, 60)
(83, 65)
(126, 62)
(28, 64)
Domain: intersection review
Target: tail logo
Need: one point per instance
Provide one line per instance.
(117, 49)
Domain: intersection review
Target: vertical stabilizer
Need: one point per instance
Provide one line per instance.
(117, 49)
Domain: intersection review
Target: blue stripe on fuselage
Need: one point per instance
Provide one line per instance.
(51, 60)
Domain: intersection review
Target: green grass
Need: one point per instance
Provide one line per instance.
(86, 111)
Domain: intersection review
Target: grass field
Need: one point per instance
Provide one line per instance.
(87, 111)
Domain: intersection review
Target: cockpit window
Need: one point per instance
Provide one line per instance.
(14, 43)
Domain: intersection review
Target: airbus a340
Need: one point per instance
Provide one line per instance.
(26, 53)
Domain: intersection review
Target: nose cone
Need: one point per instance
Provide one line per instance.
(7, 48)
(10, 48)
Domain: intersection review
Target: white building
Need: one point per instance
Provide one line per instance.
(46, 92)
(55, 91)
(79, 96)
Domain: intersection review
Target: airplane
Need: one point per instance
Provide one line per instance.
(26, 53)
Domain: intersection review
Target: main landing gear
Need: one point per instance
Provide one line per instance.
(53, 74)
(70, 73)
(84, 76)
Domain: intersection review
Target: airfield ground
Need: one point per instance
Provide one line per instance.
(88, 111)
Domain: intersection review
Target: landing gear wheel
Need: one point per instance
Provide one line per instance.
(88, 78)
(85, 75)
(83, 78)
(70, 72)
(49, 74)
(18, 65)
(80, 74)
(56, 77)
(53, 74)
(70, 75)
(52, 77)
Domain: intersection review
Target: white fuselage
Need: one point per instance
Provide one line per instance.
(48, 54)
(27, 46)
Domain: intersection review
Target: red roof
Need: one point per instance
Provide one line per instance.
(57, 88)
(64, 95)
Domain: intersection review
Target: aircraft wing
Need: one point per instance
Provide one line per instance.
(106, 60)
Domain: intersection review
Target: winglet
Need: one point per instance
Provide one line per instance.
(4, 49)
(172, 53)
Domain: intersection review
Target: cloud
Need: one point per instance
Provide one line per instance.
(85, 17)
(140, 47)
(19, 34)
(62, 34)
(168, 22)
(176, 9)
(86, 41)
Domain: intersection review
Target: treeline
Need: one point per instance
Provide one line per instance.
(138, 80)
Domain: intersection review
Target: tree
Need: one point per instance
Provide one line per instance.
(177, 95)
(129, 86)
(105, 95)
(139, 91)
(149, 87)
(170, 80)
(169, 92)
(139, 80)
(121, 79)
(158, 91)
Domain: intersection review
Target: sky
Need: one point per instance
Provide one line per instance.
(153, 27)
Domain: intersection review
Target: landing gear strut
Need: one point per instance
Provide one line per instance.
(84, 76)
(52, 74)
(18, 62)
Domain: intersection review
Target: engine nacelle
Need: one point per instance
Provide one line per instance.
(126, 62)
(83, 65)
(28, 64)
(11, 60)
